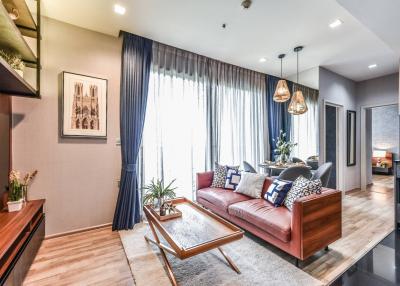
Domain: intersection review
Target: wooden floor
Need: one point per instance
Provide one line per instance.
(382, 181)
(97, 257)
(88, 258)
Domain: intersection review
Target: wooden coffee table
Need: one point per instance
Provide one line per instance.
(196, 231)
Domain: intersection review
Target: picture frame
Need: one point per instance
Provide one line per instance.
(84, 106)
(351, 138)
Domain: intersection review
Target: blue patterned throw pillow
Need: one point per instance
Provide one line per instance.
(277, 192)
(232, 178)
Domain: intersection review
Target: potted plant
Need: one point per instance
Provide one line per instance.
(283, 148)
(14, 61)
(156, 193)
(17, 189)
(15, 192)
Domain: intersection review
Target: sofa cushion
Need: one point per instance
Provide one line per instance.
(262, 214)
(221, 198)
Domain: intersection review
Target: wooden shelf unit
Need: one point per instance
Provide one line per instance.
(21, 234)
(12, 39)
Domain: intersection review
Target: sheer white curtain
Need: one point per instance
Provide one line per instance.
(175, 133)
(304, 129)
(200, 111)
(239, 116)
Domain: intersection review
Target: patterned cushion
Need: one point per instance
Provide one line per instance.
(302, 187)
(232, 178)
(220, 173)
(251, 184)
(277, 192)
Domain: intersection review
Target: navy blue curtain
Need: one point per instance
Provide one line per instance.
(278, 116)
(135, 74)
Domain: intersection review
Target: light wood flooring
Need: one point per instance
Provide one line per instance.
(93, 257)
(97, 257)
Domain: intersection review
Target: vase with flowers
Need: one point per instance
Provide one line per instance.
(283, 148)
(17, 189)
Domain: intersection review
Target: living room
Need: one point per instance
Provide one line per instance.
(159, 139)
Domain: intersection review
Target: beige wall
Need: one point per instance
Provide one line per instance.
(77, 177)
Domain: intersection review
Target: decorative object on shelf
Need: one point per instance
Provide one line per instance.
(297, 105)
(156, 193)
(15, 192)
(282, 92)
(27, 179)
(18, 189)
(14, 61)
(84, 101)
(351, 138)
(283, 148)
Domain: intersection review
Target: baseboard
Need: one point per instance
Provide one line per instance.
(77, 230)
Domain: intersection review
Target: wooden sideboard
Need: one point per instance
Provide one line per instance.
(21, 234)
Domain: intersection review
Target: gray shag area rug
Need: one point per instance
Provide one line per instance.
(258, 264)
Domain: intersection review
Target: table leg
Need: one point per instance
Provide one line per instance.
(164, 257)
(229, 260)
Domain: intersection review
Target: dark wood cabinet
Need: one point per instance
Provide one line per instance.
(21, 234)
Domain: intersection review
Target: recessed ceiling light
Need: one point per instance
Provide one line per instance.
(262, 60)
(372, 66)
(336, 23)
(119, 9)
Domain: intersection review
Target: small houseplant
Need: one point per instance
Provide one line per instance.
(156, 193)
(15, 192)
(283, 148)
(17, 189)
(14, 61)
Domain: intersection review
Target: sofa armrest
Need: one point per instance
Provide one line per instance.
(317, 221)
(204, 180)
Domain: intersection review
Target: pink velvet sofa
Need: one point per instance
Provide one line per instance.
(314, 223)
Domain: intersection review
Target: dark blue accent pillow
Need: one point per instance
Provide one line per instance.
(277, 192)
(232, 178)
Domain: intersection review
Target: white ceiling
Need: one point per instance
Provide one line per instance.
(268, 28)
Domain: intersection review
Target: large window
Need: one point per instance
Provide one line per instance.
(305, 128)
(175, 134)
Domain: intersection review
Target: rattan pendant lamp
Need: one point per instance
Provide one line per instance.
(282, 92)
(297, 105)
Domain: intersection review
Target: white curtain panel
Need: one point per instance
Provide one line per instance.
(175, 133)
(239, 115)
(200, 111)
(305, 131)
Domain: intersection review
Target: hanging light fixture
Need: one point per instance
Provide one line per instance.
(297, 105)
(282, 92)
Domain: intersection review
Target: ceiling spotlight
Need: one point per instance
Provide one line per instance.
(119, 9)
(336, 23)
(372, 66)
(14, 14)
(246, 4)
(262, 60)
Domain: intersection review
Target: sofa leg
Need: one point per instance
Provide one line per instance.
(297, 262)
(327, 248)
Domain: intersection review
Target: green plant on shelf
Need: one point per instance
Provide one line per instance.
(13, 60)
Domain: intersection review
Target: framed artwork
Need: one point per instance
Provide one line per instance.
(84, 106)
(351, 138)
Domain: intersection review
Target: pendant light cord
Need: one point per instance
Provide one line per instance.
(281, 68)
(297, 67)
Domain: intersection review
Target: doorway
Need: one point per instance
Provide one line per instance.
(333, 143)
(381, 147)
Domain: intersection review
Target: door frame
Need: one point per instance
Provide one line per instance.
(363, 140)
(340, 141)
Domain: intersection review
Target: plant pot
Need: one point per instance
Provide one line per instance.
(15, 206)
